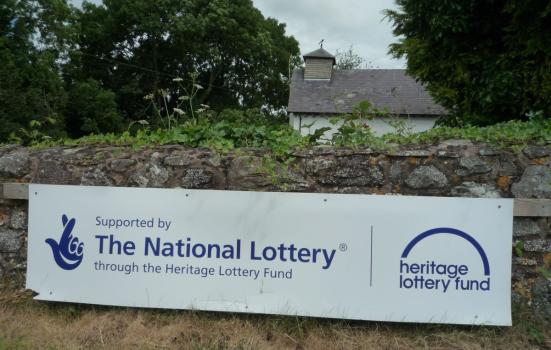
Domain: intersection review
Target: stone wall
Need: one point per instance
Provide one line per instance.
(452, 168)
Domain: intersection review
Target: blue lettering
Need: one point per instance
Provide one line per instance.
(115, 246)
(155, 248)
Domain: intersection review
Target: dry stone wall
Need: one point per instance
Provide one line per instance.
(452, 168)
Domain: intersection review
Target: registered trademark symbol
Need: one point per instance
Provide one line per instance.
(343, 247)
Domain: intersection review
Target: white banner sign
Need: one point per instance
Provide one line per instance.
(385, 258)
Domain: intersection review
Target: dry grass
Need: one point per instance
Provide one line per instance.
(27, 324)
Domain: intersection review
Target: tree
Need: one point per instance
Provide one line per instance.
(31, 88)
(486, 61)
(92, 110)
(138, 47)
(348, 59)
(68, 71)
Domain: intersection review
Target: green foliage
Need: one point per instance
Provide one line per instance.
(172, 116)
(34, 132)
(225, 131)
(89, 69)
(31, 88)
(401, 126)
(487, 61)
(545, 272)
(241, 58)
(233, 129)
(354, 133)
(353, 130)
(92, 110)
(507, 134)
(536, 335)
(519, 248)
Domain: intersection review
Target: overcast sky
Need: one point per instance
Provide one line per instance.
(341, 23)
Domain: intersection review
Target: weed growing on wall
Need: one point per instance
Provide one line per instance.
(513, 134)
(184, 107)
(234, 129)
(228, 131)
(354, 131)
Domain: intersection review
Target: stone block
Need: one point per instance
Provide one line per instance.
(525, 227)
(18, 219)
(535, 183)
(425, 177)
(95, 177)
(472, 165)
(475, 190)
(196, 178)
(9, 240)
(537, 246)
(121, 165)
(534, 152)
(15, 164)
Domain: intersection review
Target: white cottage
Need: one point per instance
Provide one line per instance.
(319, 92)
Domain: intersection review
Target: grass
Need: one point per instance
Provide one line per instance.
(28, 324)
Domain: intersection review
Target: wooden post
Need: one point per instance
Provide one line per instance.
(523, 207)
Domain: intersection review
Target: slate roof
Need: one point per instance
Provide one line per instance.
(389, 89)
(320, 53)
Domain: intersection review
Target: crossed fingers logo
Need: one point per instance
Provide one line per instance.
(69, 251)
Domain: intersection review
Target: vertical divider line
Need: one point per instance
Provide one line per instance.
(371, 260)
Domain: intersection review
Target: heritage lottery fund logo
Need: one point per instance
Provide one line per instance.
(430, 274)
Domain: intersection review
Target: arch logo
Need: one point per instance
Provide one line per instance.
(444, 276)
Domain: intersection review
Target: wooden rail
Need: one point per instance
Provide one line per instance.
(523, 207)
(15, 191)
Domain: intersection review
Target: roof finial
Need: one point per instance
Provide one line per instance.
(321, 43)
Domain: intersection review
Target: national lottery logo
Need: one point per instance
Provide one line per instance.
(69, 251)
(434, 275)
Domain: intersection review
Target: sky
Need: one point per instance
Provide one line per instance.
(342, 23)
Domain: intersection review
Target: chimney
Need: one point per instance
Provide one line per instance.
(318, 65)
